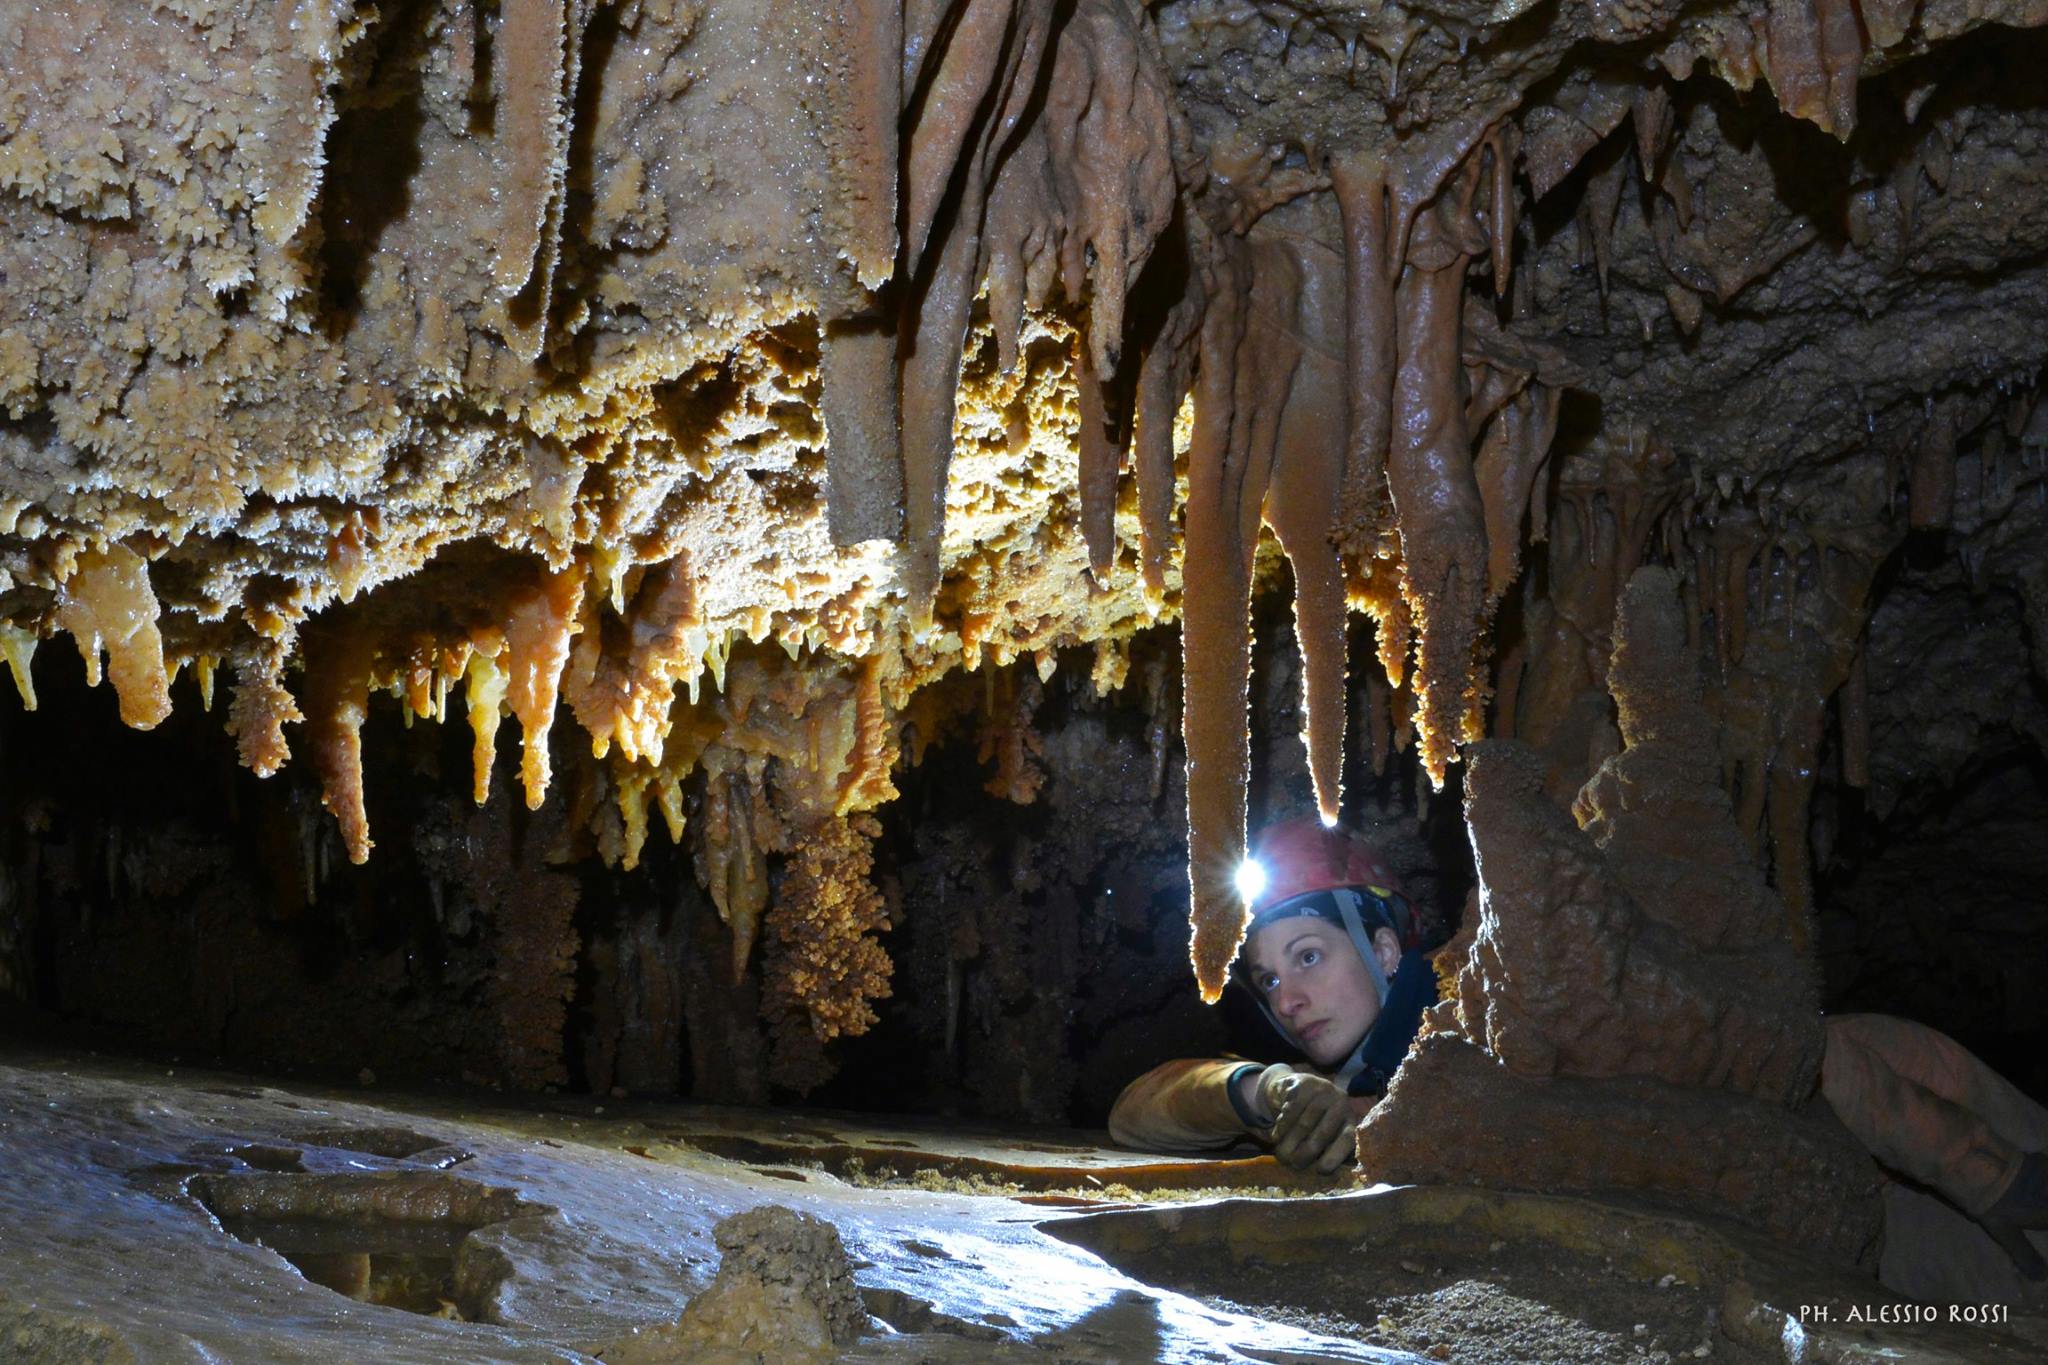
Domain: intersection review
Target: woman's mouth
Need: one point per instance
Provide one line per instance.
(1309, 1031)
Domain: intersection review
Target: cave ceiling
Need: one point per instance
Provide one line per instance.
(728, 375)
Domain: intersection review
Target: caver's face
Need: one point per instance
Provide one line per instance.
(1316, 984)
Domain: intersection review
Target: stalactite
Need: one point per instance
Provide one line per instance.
(260, 709)
(18, 648)
(873, 751)
(1100, 455)
(1736, 539)
(983, 59)
(1854, 703)
(1429, 470)
(733, 835)
(1500, 145)
(1931, 496)
(537, 634)
(340, 661)
(1511, 460)
(1303, 508)
(1110, 133)
(1163, 380)
(484, 690)
(533, 74)
(108, 604)
(1010, 740)
(1245, 376)
(864, 453)
(1360, 182)
(621, 678)
(867, 108)
(1814, 54)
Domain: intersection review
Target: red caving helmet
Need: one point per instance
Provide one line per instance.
(1303, 855)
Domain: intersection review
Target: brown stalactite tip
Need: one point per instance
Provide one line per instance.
(1361, 187)
(863, 453)
(1214, 640)
(1100, 455)
(1429, 470)
(340, 661)
(537, 636)
(1302, 506)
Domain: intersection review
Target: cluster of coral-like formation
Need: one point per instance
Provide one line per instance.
(698, 382)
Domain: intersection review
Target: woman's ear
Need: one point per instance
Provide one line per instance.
(1386, 945)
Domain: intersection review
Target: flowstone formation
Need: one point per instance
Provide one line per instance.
(703, 383)
(1628, 976)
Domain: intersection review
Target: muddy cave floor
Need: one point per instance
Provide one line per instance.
(154, 1212)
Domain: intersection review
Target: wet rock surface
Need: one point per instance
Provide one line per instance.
(610, 1236)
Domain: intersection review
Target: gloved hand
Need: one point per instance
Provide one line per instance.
(1314, 1123)
(2022, 1209)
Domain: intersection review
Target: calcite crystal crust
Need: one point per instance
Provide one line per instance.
(700, 382)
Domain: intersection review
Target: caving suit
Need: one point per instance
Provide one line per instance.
(1929, 1110)
(1192, 1105)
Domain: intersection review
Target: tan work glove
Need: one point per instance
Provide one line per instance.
(1313, 1121)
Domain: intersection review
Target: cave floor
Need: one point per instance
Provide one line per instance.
(155, 1213)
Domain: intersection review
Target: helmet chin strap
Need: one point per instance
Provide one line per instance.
(1349, 904)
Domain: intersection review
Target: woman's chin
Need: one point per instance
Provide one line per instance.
(1325, 1057)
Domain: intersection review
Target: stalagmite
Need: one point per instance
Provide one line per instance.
(107, 604)
(537, 635)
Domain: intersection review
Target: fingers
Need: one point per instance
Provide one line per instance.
(1341, 1148)
(1330, 1143)
(1314, 1119)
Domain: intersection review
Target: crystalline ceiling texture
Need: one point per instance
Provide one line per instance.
(558, 359)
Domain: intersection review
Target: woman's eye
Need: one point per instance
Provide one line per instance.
(1268, 982)
(1309, 957)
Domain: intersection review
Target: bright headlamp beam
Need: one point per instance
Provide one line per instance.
(1251, 879)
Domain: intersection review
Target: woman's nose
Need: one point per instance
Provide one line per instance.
(1292, 998)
